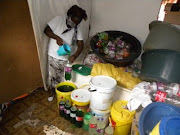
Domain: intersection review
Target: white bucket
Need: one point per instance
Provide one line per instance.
(102, 89)
(101, 115)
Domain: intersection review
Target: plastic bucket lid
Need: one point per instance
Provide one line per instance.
(102, 83)
(170, 125)
(81, 69)
(81, 95)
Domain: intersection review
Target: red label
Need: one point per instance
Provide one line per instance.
(92, 125)
(160, 96)
(79, 118)
(178, 93)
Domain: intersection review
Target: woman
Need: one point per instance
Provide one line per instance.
(62, 30)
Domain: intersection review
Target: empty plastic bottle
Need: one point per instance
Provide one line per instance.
(109, 130)
(93, 126)
(100, 128)
(161, 96)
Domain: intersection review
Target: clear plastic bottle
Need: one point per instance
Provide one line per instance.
(109, 130)
(92, 126)
(86, 121)
(175, 88)
(161, 96)
(68, 71)
(170, 89)
(100, 128)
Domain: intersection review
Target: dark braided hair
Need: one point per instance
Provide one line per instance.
(76, 11)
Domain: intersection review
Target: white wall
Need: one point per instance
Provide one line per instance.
(131, 16)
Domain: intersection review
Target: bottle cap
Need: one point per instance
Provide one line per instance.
(62, 102)
(67, 105)
(73, 108)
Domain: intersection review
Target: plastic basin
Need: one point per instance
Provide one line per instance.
(153, 113)
(135, 50)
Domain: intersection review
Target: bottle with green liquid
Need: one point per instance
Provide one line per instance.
(68, 71)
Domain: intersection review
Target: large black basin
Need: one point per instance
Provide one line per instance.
(135, 48)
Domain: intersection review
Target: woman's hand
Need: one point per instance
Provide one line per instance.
(59, 41)
(72, 58)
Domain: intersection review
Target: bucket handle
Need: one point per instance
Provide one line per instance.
(91, 90)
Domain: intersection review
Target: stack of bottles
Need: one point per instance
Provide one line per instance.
(161, 92)
(89, 122)
(99, 127)
(71, 113)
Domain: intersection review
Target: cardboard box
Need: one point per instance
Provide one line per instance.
(168, 7)
(172, 17)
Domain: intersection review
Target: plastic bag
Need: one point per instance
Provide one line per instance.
(91, 59)
(124, 79)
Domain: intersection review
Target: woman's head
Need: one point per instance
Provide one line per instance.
(76, 14)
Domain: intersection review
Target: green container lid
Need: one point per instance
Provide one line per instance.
(81, 69)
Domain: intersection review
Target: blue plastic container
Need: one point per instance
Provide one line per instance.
(65, 49)
(153, 113)
(170, 125)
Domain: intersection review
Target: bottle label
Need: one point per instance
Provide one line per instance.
(64, 110)
(92, 125)
(61, 107)
(178, 93)
(68, 69)
(160, 96)
(161, 86)
(67, 111)
(79, 118)
(72, 115)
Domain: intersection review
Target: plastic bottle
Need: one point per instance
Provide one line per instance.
(68, 71)
(109, 130)
(92, 126)
(73, 114)
(161, 96)
(79, 118)
(175, 88)
(67, 111)
(156, 86)
(171, 89)
(61, 108)
(100, 128)
(86, 121)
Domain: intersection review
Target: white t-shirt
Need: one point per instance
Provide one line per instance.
(58, 26)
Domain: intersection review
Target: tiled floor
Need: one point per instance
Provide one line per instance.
(28, 116)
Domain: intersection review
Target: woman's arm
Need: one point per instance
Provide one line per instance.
(80, 45)
(50, 34)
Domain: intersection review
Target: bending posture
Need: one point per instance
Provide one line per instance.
(62, 30)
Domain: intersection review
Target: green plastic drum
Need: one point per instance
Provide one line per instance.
(162, 35)
(161, 65)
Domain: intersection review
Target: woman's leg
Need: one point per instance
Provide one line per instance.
(56, 74)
